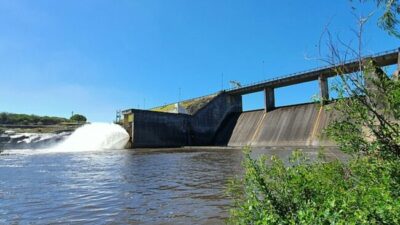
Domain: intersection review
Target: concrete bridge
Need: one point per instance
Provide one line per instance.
(321, 74)
(218, 119)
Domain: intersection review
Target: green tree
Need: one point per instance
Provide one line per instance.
(389, 20)
(368, 111)
(78, 118)
(24, 119)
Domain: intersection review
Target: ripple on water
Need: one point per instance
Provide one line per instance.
(119, 186)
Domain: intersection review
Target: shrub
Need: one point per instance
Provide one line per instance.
(24, 119)
(368, 118)
(78, 118)
(366, 190)
(363, 190)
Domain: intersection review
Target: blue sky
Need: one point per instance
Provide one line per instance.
(94, 57)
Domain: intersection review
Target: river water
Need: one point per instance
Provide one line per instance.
(144, 186)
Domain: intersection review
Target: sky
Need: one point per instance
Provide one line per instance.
(94, 57)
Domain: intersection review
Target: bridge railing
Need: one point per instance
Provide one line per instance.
(311, 70)
(283, 77)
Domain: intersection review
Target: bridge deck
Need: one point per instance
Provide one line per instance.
(381, 59)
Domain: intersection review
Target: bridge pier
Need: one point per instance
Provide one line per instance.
(269, 99)
(323, 89)
(397, 71)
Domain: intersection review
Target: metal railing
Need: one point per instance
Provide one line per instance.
(310, 70)
(284, 77)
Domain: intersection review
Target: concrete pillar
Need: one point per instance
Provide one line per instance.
(269, 99)
(397, 71)
(323, 89)
(375, 92)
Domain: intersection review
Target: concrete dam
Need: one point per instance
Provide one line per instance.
(219, 120)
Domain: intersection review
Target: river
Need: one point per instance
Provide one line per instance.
(143, 186)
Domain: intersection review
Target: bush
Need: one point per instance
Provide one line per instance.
(24, 119)
(366, 190)
(78, 118)
(368, 119)
(363, 190)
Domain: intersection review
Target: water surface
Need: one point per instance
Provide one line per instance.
(184, 186)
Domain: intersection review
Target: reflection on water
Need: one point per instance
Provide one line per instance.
(118, 186)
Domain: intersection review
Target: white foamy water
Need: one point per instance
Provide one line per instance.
(93, 137)
(90, 137)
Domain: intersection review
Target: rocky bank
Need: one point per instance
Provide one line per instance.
(10, 139)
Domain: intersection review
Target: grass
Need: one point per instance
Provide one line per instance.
(191, 106)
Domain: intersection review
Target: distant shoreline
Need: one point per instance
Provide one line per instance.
(16, 136)
(35, 128)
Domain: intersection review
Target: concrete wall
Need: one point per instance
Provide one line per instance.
(245, 128)
(158, 129)
(299, 125)
(221, 122)
(206, 121)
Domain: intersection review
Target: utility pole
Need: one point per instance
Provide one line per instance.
(179, 95)
(222, 81)
(118, 116)
(263, 68)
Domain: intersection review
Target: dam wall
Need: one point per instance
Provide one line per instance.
(163, 129)
(222, 123)
(159, 129)
(207, 121)
(298, 125)
(217, 119)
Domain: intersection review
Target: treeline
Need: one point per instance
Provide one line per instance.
(25, 119)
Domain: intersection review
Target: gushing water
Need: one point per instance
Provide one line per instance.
(90, 137)
(95, 136)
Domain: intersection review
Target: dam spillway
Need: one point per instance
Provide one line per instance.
(298, 125)
(218, 119)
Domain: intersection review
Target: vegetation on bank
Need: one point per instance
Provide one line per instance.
(363, 190)
(25, 119)
(78, 118)
(191, 106)
(366, 190)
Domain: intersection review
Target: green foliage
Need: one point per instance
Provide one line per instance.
(191, 105)
(366, 190)
(369, 115)
(388, 20)
(164, 108)
(78, 118)
(363, 190)
(24, 119)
